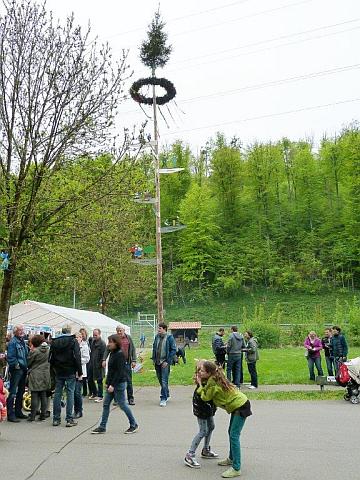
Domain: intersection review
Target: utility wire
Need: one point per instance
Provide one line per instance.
(269, 115)
(273, 83)
(269, 40)
(176, 19)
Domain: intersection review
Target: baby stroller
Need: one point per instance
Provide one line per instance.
(349, 377)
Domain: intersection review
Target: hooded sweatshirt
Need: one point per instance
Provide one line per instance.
(65, 356)
(235, 344)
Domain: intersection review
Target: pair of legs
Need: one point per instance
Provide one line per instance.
(220, 359)
(206, 427)
(16, 392)
(314, 362)
(253, 374)
(330, 366)
(38, 397)
(78, 398)
(236, 425)
(129, 387)
(69, 384)
(162, 374)
(234, 370)
(96, 387)
(119, 396)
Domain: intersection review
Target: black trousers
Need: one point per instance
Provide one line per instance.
(253, 374)
(36, 398)
(220, 359)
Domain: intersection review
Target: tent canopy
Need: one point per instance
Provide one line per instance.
(36, 314)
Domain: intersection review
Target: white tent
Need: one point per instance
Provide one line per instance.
(42, 317)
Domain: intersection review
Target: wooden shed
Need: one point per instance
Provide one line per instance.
(185, 332)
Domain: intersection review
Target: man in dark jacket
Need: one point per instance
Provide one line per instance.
(326, 343)
(339, 348)
(65, 358)
(164, 350)
(219, 348)
(96, 370)
(17, 360)
(234, 350)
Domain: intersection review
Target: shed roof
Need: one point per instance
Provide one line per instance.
(184, 325)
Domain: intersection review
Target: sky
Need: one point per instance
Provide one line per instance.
(258, 69)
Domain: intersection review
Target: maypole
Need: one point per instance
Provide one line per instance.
(155, 53)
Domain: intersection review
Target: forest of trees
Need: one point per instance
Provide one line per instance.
(282, 216)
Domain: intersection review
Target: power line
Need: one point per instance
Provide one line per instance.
(266, 49)
(252, 15)
(269, 115)
(274, 39)
(272, 83)
(176, 19)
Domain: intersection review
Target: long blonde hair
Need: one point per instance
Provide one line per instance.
(217, 373)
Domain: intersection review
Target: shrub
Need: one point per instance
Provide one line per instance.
(267, 335)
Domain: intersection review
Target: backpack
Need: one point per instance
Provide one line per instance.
(343, 376)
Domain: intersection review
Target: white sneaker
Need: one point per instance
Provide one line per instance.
(251, 387)
(98, 400)
(162, 403)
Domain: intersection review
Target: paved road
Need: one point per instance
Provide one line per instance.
(282, 441)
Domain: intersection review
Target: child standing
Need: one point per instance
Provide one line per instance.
(204, 411)
(215, 386)
(38, 376)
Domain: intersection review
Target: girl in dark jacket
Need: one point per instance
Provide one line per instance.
(116, 386)
(38, 376)
(204, 411)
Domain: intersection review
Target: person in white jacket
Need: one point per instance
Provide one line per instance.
(85, 358)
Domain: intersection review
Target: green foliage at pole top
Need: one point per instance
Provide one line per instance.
(154, 52)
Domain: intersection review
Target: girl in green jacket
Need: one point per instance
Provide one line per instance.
(215, 386)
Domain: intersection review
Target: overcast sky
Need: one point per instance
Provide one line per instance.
(245, 58)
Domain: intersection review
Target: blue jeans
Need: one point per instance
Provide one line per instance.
(69, 384)
(317, 363)
(119, 396)
(129, 387)
(206, 427)
(163, 377)
(234, 371)
(330, 366)
(16, 391)
(78, 400)
(236, 425)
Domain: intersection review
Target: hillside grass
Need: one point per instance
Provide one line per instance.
(275, 367)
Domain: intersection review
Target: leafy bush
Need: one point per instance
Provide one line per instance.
(267, 335)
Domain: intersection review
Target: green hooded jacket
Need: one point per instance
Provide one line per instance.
(229, 400)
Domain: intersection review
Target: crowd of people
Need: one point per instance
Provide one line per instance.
(230, 355)
(335, 348)
(76, 365)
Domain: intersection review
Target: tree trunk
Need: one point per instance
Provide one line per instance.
(6, 292)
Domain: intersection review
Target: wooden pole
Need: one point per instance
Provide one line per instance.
(159, 273)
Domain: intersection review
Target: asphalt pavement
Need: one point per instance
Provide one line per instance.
(296, 440)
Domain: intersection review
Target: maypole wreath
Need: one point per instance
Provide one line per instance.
(162, 82)
(154, 53)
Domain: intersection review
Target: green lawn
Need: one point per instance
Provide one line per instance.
(275, 367)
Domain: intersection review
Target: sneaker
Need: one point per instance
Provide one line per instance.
(78, 415)
(162, 403)
(92, 397)
(131, 401)
(168, 398)
(231, 473)
(225, 463)
(207, 453)
(98, 430)
(251, 387)
(132, 429)
(56, 423)
(191, 461)
(98, 400)
(71, 423)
